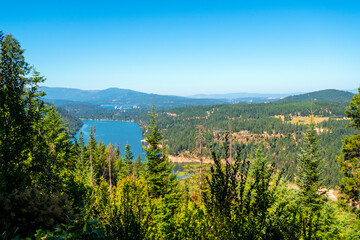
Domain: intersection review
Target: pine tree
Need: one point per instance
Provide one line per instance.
(129, 159)
(34, 147)
(92, 144)
(138, 167)
(159, 171)
(162, 182)
(82, 165)
(50, 153)
(349, 159)
(309, 170)
(239, 197)
(14, 123)
(200, 141)
(310, 183)
(21, 118)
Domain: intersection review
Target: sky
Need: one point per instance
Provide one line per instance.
(190, 47)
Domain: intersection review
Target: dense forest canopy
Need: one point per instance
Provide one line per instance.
(331, 95)
(54, 188)
(72, 123)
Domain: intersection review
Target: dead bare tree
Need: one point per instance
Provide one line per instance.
(200, 140)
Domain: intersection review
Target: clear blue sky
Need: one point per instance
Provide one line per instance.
(189, 47)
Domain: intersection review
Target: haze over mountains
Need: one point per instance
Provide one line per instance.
(242, 95)
(116, 96)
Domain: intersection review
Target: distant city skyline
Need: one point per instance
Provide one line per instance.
(186, 48)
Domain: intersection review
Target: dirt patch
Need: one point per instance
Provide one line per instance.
(188, 160)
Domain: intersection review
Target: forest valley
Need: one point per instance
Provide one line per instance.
(55, 187)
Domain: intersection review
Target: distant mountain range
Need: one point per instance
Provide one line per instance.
(331, 95)
(355, 90)
(243, 95)
(125, 97)
(116, 96)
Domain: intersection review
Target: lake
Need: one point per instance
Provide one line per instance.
(116, 132)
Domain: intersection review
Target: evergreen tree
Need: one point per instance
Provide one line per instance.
(92, 144)
(162, 183)
(350, 156)
(310, 183)
(309, 170)
(51, 153)
(129, 159)
(240, 198)
(24, 155)
(34, 149)
(159, 171)
(15, 123)
(138, 167)
(82, 165)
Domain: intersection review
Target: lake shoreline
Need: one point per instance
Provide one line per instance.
(104, 119)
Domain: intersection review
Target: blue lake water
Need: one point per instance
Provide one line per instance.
(116, 132)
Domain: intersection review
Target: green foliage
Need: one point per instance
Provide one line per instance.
(50, 153)
(240, 200)
(123, 212)
(350, 156)
(129, 159)
(15, 122)
(162, 183)
(353, 111)
(191, 222)
(82, 164)
(73, 231)
(138, 167)
(283, 140)
(23, 211)
(159, 171)
(309, 165)
(72, 123)
(34, 148)
(311, 200)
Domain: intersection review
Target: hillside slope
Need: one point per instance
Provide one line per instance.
(331, 95)
(116, 96)
(72, 122)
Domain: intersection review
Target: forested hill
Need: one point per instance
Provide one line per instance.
(72, 122)
(116, 96)
(276, 127)
(331, 95)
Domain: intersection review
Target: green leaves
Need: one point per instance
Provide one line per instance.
(353, 111)
(159, 171)
(349, 159)
(241, 199)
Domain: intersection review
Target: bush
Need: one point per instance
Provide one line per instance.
(22, 211)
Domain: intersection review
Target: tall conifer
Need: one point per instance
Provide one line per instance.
(15, 120)
(310, 183)
(350, 156)
(159, 171)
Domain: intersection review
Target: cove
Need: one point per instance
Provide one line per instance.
(115, 132)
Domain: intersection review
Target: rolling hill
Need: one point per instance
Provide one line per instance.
(116, 96)
(72, 122)
(331, 95)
